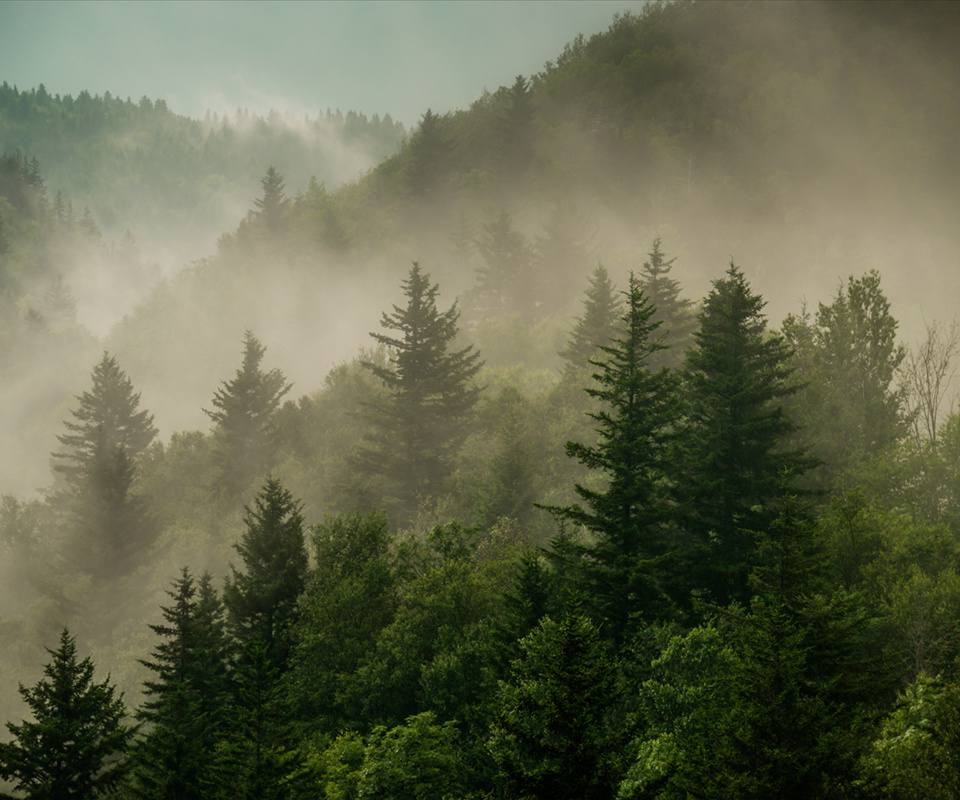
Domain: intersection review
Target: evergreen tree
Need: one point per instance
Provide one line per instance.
(597, 325)
(76, 745)
(245, 436)
(274, 205)
(674, 312)
(736, 441)
(185, 696)
(261, 602)
(110, 529)
(418, 430)
(552, 737)
(107, 418)
(426, 156)
(628, 519)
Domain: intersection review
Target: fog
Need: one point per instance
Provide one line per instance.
(806, 192)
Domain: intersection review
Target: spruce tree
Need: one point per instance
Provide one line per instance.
(75, 747)
(674, 312)
(507, 282)
(273, 205)
(109, 527)
(108, 416)
(261, 601)
(628, 520)
(185, 697)
(245, 435)
(597, 325)
(417, 431)
(736, 440)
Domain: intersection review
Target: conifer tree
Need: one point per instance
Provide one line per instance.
(75, 747)
(261, 601)
(736, 442)
(185, 697)
(507, 283)
(674, 312)
(628, 519)
(274, 204)
(110, 529)
(418, 430)
(107, 417)
(597, 325)
(245, 436)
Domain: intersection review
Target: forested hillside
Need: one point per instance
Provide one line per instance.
(600, 442)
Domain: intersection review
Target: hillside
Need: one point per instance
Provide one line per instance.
(599, 441)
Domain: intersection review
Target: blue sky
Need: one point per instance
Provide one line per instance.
(398, 57)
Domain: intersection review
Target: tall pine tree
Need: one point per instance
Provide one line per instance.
(736, 445)
(417, 431)
(628, 520)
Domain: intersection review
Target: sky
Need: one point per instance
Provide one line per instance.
(399, 57)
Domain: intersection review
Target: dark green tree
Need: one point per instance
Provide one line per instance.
(245, 435)
(675, 313)
(552, 735)
(737, 442)
(76, 745)
(628, 520)
(427, 154)
(184, 699)
(351, 595)
(261, 601)
(418, 430)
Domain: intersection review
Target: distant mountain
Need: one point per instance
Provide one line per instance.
(174, 182)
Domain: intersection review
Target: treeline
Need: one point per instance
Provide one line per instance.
(713, 558)
(138, 165)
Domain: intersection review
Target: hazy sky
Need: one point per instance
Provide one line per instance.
(399, 57)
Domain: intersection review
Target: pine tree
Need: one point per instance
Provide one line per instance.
(674, 312)
(108, 417)
(736, 443)
(597, 325)
(627, 520)
(75, 746)
(110, 529)
(185, 696)
(245, 436)
(417, 432)
(261, 601)
(274, 204)
(551, 737)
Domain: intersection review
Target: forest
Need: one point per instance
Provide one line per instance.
(597, 441)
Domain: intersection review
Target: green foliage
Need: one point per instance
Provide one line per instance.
(75, 746)
(414, 761)
(915, 754)
(108, 419)
(185, 697)
(622, 564)
(245, 435)
(350, 597)
(674, 313)
(551, 736)
(261, 601)
(851, 406)
(418, 430)
(599, 323)
(736, 449)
